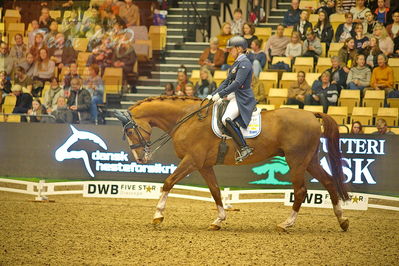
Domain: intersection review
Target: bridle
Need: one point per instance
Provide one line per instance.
(128, 122)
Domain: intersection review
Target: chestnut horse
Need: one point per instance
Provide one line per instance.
(287, 132)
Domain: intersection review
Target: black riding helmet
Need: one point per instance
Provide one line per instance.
(237, 41)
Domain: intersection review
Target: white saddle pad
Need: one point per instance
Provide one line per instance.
(252, 131)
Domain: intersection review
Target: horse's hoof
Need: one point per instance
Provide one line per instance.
(281, 228)
(214, 227)
(344, 224)
(157, 221)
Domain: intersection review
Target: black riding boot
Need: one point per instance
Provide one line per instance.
(238, 138)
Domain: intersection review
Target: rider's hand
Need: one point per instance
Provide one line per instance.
(215, 97)
(209, 97)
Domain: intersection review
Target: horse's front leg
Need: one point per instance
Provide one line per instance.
(209, 175)
(185, 167)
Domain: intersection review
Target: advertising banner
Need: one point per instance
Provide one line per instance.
(89, 152)
(117, 189)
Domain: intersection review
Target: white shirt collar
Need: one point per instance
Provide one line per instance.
(240, 57)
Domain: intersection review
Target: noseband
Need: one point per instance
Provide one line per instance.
(131, 124)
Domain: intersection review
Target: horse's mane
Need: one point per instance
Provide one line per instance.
(163, 98)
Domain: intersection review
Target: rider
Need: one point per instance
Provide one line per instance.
(237, 89)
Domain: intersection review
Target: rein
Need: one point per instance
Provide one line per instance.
(164, 138)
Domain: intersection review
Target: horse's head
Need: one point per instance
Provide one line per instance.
(138, 134)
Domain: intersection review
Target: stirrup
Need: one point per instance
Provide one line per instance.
(243, 153)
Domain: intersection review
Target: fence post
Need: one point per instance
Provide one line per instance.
(225, 198)
(40, 188)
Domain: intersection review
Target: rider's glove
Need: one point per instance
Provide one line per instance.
(209, 97)
(215, 97)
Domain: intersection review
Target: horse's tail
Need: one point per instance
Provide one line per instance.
(331, 133)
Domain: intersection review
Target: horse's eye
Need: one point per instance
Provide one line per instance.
(129, 132)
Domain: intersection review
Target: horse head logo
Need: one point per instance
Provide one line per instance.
(62, 152)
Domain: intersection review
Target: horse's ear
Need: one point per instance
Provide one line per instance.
(121, 117)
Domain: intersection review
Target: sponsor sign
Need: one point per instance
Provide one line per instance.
(114, 189)
(321, 199)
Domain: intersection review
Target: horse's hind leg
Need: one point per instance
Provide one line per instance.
(325, 179)
(209, 175)
(185, 167)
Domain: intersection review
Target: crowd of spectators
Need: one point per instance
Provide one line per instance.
(46, 57)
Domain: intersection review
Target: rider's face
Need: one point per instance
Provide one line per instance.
(234, 52)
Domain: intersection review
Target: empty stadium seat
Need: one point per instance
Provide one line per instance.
(313, 18)
(344, 129)
(11, 16)
(142, 44)
(349, 98)
(8, 104)
(158, 37)
(313, 108)
(311, 5)
(2, 28)
(311, 77)
(362, 114)
(336, 19)
(269, 80)
(113, 80)
(14, 29)
(339, 114)
(304, 64)
(288, 32)
(82, 58)
(334, 48)
(393, 102)
(369, 130)
(292, 106)
(323, 63)
(395, 130)
(375, 99)
(287, 78)
(263, 33)
(55, 14)
(219, 76)
(277, 97)
(277, 59)
(266, 106)
(195, 76)
(80, 44)
(394, 64)
(389, 114)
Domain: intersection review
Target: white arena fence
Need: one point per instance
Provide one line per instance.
(42, 190)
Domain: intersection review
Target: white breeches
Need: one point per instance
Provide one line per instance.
(232, 110)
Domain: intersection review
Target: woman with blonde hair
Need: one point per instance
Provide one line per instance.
(37, 45)
(205, 85)
(372, 52)
(347, 54)
(294, 48)
(386, 43)
(225, 35)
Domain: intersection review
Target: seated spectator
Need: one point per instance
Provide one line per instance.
(5, 85)
(347, 54)
(182, 80)
(6, 63)
(24, 101)
(102, 54)
(71, 72)
(382, 76)
(303, 26)
(382, 128)
(224, 36)
(237, 22)
(381, 12)
(44, 69)
(62, 54)
(248, 33)
(22, 79)
(396, 45)
(36, 111)
(130, 14)
(110, 19)
(28, 64)
(312, 46)
(294, 48)
(189, 90)
(71, 25)
(257, 13)
(257, 57)
(124, 56)
(369, 23)
(19, 50)
(328, 8)
(32, 34)
(345, 30)
(393, 29)
(372, 52)
(347, 5)
(96, 39)
(49, 40)
(277, 44)
(385, 42)
(291, 17)
(323, 29)
(51, 95)
(357, 128)
(212, 57)
(45, 19)
(337, 73)
(359, 76)
(108, 5)
(38, 44)
(62, 113)
(169, 90)
(205, 85)
(95, 85)
(323, 92)
(359, 11)
(79, 102)
(361, 41)
(298, 90)
(259, 90)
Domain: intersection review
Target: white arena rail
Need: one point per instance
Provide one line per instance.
(42, 190)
